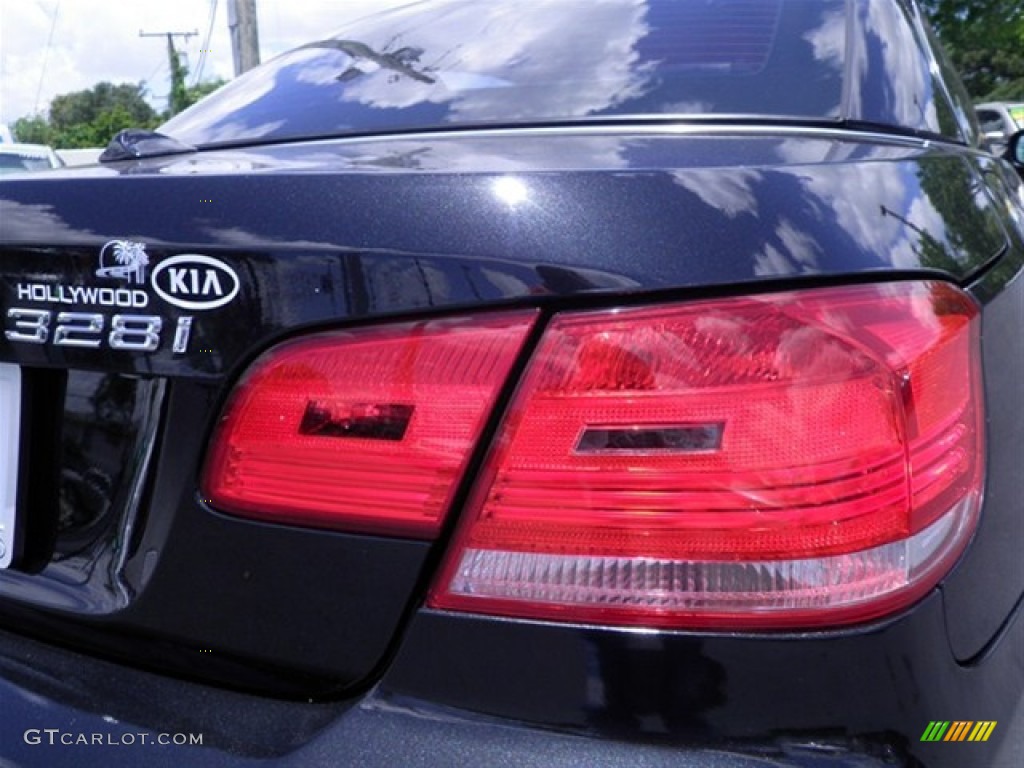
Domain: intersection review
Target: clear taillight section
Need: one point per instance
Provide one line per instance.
(368, 430)
(793, 459)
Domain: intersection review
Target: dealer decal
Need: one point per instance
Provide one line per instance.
(124, 260)
(82, 294)
(190, 281)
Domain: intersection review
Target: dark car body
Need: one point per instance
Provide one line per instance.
(447, 164)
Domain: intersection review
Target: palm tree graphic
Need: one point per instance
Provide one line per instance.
(129, 261)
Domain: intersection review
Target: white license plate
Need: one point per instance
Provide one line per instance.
(10, 427)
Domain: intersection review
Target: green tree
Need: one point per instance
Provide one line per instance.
(33, 130)
(985, 39)
(86, 107)
(200, 90)
(92, 117)
(89, 118)
(181, 96)
(179, 71)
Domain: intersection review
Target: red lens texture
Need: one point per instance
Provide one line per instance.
(843, 466)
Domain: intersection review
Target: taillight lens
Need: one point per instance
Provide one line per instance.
(783, 460)
(367, 430)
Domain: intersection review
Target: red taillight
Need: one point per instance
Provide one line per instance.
(367, 430)
(794, 459)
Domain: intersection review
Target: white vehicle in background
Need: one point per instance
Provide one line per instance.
(19, 158)
(1000, 120)
(5, 134)
(87, 156)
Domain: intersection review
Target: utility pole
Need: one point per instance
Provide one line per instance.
(176, 99)
(245, 38)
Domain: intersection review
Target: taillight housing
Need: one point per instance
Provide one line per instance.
(777, 461)
(366, 430)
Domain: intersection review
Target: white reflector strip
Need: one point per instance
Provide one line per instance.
(10, 427)
(719, 586)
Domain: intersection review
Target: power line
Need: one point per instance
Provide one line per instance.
(46, 56)
(177, 71)
(158, 70)
(206, 46)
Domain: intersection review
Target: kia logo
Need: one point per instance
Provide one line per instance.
(193, 281)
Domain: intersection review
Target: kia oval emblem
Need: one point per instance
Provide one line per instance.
(193, 281)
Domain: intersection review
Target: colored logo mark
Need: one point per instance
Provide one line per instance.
(958, 730)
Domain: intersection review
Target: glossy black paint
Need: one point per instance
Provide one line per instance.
(427, 66)
(83, 695)
(847, 701)
(356, 231)
(878, 686)
(95, 458)
(390, 230)
(1015, 151)
(992, 566)
(588, 214)
(186, 582)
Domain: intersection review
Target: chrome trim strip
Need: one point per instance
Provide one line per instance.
(10, 443)
(673, 129)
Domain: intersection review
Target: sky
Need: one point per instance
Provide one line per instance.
(51, 47)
